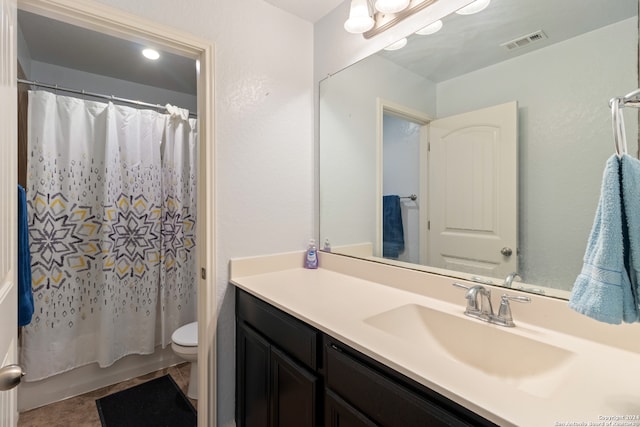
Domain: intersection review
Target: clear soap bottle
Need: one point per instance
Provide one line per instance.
(311, 256)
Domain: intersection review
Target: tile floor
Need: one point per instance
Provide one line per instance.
(80, 411)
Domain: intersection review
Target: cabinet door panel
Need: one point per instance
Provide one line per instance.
(339, 413)
(252, 397)
(296, 338)
(294, 392)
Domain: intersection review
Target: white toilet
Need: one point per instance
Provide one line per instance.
(185, 345)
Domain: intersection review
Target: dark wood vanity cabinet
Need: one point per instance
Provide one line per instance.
(290, 374)
(276, 360)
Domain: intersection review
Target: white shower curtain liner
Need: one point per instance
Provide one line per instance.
(112, 217)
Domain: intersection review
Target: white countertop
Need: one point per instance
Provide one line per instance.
(598, 383)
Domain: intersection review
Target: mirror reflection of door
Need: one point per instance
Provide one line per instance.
(472, 191)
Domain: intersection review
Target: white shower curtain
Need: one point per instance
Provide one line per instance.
(179, 196)
(112, 231)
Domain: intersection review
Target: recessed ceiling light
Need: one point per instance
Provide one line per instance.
(430, 29)
(151, 54)
(474, 7)
(397, 45)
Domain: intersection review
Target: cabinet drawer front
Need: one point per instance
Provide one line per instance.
(384, 400)
(285, 331)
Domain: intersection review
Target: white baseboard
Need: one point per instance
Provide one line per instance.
(91, 377)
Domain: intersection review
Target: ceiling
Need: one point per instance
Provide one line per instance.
(58, 43)
(310, 10)
(468, 43)
(475, 38)
(65, 45)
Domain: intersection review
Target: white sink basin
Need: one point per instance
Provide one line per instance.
(531, 365)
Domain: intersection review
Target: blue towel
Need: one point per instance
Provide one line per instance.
(392, 231)
(631, 203)
(603, 289)
(25, 294)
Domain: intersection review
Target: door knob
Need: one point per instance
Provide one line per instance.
(10, 376)
(506, 251)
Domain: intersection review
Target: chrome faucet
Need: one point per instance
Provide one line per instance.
(478, 302)
(509, 280)
(479, 305)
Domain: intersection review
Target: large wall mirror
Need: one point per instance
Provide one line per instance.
(498, 124)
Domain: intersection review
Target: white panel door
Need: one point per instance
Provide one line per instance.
(472, 186)
(8, 206)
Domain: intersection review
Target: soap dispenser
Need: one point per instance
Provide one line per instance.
(311, 256)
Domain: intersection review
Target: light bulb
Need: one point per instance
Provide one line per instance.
(151, 54)
(391, 6)
(474, 7)
(360, 19)
(432, 28)
(397, 45)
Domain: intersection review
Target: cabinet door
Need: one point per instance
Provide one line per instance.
(253, 385)
(339, 413)
(294, 392)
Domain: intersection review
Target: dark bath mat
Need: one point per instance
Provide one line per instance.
(156, 403)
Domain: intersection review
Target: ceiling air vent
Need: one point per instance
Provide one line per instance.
(523, 41)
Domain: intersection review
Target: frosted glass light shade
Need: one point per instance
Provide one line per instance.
(360, 19)
(474, 7)
(391, 6)
(397, 45)
(432, 28)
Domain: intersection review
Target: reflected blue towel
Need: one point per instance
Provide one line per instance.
(392, 231)
(25, 294)
(603, 289)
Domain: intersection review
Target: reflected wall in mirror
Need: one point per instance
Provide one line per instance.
(558, 62)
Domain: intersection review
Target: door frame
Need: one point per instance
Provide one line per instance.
(108, 20)
(410, 114)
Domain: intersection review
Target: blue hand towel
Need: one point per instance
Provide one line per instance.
(25, 294)
(392, 231)
(602, 290)
(631, 203)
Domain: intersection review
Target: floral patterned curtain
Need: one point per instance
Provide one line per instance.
(112, 239)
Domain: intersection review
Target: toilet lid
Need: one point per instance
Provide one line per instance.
(186, 335)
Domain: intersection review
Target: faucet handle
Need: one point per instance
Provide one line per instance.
(504, 316)
(460, 285)
(519, 298)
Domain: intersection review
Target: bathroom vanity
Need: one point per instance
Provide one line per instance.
(356, 343)
(291, 374)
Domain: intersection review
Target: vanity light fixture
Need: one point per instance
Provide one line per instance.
(475, 7)
(360, 19)
(369, 21)
(391, 6)
(397, 45)
(150, 54)
(432, 28)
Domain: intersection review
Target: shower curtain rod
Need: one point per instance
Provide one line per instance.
(98, 95)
